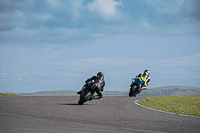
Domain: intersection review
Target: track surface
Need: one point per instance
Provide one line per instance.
(21, 114)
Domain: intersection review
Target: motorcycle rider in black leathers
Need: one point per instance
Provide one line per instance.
(99, 81)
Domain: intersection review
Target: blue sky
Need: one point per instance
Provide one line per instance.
(114, 27)
(50, 23)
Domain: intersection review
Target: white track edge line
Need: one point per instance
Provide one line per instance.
(136, 102)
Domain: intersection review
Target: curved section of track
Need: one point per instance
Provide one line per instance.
(63, 114)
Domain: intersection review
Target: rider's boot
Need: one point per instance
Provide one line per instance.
(95, 97)
(98, 97)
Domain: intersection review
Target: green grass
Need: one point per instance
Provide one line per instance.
(183, 104)
(6, 94)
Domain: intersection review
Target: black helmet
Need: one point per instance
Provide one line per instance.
(100, 74)
(147, 72)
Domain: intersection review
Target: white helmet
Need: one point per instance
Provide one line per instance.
(147, 72)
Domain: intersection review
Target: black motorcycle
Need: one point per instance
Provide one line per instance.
(88, 93)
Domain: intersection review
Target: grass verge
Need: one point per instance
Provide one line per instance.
(184, 104)
(6, 94)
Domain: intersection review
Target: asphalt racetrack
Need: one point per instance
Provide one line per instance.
(62, 114)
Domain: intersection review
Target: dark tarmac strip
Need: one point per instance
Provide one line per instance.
(62, 114)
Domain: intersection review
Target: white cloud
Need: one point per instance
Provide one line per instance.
(54, 3)
(43, 16)
(193, 60)
(77, 10)
(106, 9)
(44, 36)
(145, 25)
(102, 61)
(152, 16)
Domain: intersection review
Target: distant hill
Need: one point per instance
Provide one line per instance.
(171, 90)
(51, 93)
(158, 91)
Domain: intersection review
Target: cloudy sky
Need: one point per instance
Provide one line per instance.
(50, 23)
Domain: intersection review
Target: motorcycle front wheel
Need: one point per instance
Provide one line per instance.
(132, 90)
(84, 97)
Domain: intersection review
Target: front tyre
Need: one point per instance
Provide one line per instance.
(132, 90)
(84, 97)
